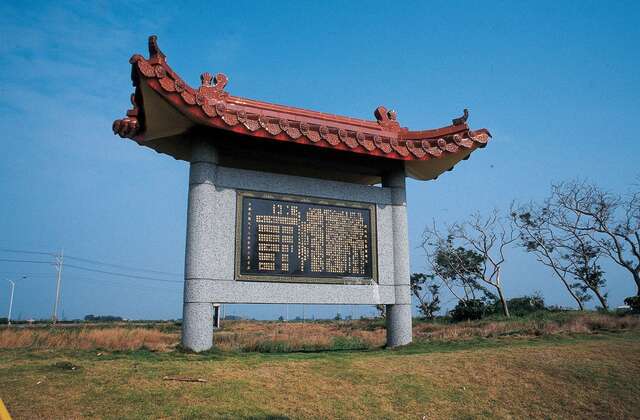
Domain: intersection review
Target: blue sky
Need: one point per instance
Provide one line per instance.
(557, 83)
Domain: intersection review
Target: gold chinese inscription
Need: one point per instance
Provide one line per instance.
(284, 238)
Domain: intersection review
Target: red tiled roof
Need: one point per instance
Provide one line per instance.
(211, 105)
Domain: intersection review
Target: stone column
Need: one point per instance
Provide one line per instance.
(197, 316)
(399, 315)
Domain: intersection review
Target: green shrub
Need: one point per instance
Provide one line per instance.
(273, 346)
(634, 303)
(469, 310)
(348, 343)
(524, 305)
(371, 324)
(102, 318)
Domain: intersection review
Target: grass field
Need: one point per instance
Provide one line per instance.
(571, 368)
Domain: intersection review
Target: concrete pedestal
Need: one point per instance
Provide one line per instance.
(399, 325)
(399, 320)
(197, 316)
(197, 326)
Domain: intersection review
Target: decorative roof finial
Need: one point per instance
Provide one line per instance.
(220, 81)
(154, 50)
(205, 79)
(213, 90)
(128, 126)
(392, 114)
(462, 119)
(386, 118)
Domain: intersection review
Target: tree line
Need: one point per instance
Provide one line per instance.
(570, 232)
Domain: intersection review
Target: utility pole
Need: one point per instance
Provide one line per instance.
(59, 262)
(303, 312)
(13, 286)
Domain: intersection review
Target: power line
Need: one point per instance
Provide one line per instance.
(95, 270)
(20, 251)
(111, 273)
(120, 283)
(57, 263)
(25, 261)
(22, 273)
(96, 262)
(90, 261)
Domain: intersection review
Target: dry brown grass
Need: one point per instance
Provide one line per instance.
(249, 336)
(253, 336)
(583, 323)
(88, 338)
(256, 336)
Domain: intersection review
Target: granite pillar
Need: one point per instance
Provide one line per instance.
(197, 316)
(399, 314)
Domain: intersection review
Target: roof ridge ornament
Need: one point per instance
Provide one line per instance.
(155, 53)
(219, 81)
(215, 90)
(386, 118)
(205, 79)
(129, 126)
(461, 120)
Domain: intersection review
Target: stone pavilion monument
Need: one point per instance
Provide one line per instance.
(288, 205)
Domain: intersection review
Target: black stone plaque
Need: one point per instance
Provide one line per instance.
(302, 239)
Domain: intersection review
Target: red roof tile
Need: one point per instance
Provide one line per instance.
(211, 105)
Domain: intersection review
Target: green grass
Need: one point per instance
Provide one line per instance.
(573, 375)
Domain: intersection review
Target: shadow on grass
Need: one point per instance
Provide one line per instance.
(427, 347)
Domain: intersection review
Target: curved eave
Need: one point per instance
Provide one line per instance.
(165, 106)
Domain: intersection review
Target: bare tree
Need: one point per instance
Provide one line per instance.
(489, 236)
(544, 231)
(458, 268)
(485, 237)
(610, 220)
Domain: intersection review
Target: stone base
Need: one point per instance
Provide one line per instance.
(197, 326)
(399, 325)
